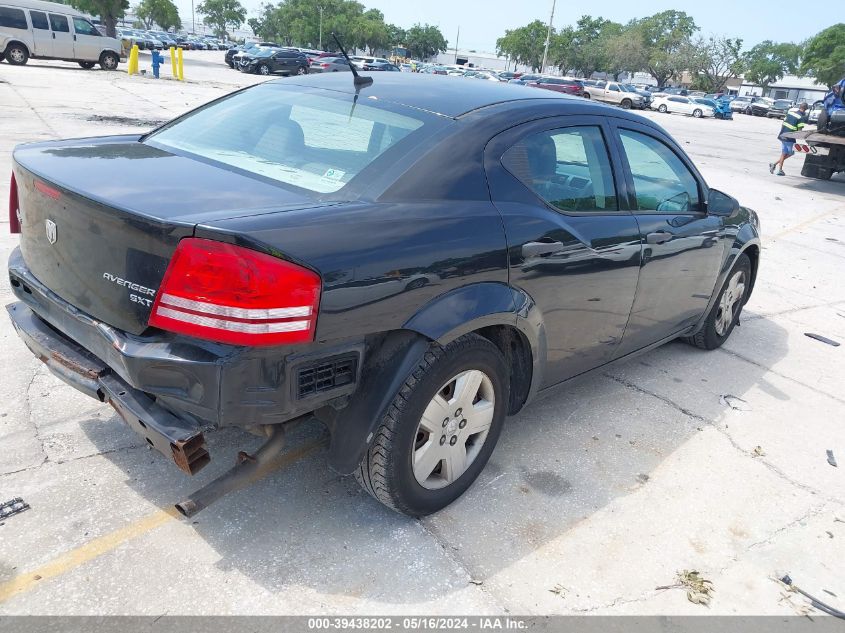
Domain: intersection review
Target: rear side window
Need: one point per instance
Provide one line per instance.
(12, 18)
(39, 20)
(59, 23)
(569, 168)
(661, 180)
(315, 142)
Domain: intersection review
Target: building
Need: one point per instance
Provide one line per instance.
(789, 87)
(474, 58)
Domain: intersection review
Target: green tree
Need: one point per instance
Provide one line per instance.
(590, 44)
(525, 44)
(396, 35)
(222, 14)
(768, 62)
(161, 12)
(714, 61)
(824, 56)
(108, 10)
(665, 36)
(425, 41)
(627, 53)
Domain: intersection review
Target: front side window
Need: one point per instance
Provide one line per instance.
(12, 18)
(59, 23)
(84, 27)
(308, 140)
(661, 180)
(39, 20)
(568, 168)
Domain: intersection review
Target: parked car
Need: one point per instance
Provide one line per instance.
(615, 93)
(682, 105)
(645, 94)
(759, 106)
(815, 110)
(559, 84)
(524, 79)
(381, 66)
(269, 61)
(779, 108)
(329, 65)
(32, 29)
(739, 104)
(317, 190)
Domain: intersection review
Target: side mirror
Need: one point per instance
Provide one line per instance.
(719, 203)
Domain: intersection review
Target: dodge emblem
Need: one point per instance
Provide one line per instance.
(52, 233)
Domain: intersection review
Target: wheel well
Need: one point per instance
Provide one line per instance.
(10, 42)
(753, 253)
(517, 352)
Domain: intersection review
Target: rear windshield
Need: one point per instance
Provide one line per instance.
(316, 140)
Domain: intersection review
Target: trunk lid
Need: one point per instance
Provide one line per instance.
(101, 218)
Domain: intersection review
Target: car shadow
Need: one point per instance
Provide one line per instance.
(563, 458)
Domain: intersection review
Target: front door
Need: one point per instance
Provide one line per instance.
(572, 247)
(683, 246)
(87, 44)
(42, 37)
(62, 37)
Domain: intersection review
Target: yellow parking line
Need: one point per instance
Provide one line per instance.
(108, 542)
(802, 225)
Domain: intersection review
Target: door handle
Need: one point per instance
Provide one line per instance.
(658, 237)
(54, 36)
(539, 249)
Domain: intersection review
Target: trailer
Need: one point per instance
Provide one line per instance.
(824, 154)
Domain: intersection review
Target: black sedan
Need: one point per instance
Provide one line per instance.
(268, 61)
(310, 250)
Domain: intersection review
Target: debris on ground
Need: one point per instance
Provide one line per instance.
(814, 602)
(559, 590)
(758, 452)
(831, 459)
(734, 402)
(13, 506)
(472, 581)
(821, 338)
(699, 590)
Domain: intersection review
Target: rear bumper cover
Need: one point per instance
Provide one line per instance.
(199, 382)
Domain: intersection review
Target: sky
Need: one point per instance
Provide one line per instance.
(482, 22)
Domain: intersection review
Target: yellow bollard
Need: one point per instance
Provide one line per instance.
(173, 68)
(132, 66)
(181, 67)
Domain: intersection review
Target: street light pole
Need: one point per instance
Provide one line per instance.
(548, 37)
(321, 29)
(457, 38)
(193, 19)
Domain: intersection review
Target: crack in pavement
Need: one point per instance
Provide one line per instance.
(748, 453)
(34, 111)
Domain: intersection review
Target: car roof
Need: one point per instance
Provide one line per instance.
(446, 96)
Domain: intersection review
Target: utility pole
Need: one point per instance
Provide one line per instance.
(193, 19)
(548, 37)
(457, 38)
(321, 29)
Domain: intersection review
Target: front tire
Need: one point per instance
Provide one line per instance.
(17, 54)
(109, 61)
(821, 124)
(724, 315)
(263, 69)
(662, 109)
(440, 429)
(626, 104)
(697, 113)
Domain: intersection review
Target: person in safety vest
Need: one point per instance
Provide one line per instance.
(794, 121)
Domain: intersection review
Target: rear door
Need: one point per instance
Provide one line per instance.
(683, 246)
(42, 36)
(87, 41)
(572, 247)
(62, 37)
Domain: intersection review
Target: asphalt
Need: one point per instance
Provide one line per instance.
(596, 498)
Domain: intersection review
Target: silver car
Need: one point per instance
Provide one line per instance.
(328, 65)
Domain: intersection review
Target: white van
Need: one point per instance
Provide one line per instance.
(47, 30)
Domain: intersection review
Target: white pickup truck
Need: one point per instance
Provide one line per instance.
(616, 93)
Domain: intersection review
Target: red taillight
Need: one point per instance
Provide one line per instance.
(232, 294)
(47, 190)
(324, 65)
(14, 207)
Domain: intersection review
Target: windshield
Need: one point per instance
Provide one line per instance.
(264, 52)
(781, 103)
(313, 140)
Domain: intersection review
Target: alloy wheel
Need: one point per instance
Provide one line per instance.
(453, 428)
(730, 302)
(17, 55)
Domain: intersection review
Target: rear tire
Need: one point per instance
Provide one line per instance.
(697, 113)
(302, 70)
(87, 65)
(724, 314)
(626, 104)
(824, 119)
(587, 95)
(17, 54)
(411, 465)
(662, 109)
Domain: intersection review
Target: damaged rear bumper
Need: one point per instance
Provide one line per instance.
(176, 438)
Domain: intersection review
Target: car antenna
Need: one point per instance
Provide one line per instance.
(359, 81)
